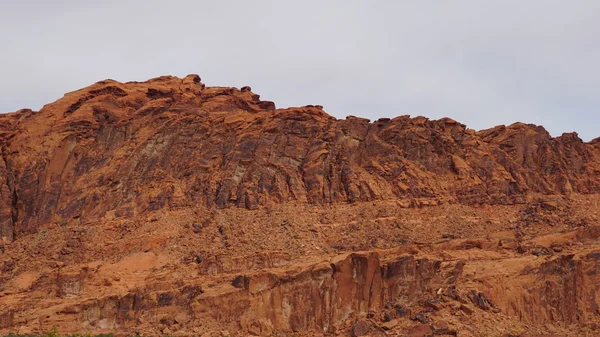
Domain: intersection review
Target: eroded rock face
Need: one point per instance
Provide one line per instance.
(390, 289)
(171, 207)
(121, 149)
(7, 197)
(317, 297)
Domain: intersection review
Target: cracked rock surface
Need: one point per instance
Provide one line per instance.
(167, 205)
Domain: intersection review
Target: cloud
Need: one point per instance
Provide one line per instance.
(480, 62)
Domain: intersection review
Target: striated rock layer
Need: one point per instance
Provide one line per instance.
(120, 149)
(167, 207)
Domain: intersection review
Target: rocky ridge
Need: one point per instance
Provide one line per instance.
(166, 204)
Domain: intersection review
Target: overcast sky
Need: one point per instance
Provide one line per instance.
(480, 62)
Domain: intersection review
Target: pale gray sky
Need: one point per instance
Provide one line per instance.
(481, 62)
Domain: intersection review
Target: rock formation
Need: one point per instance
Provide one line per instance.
(166, 204)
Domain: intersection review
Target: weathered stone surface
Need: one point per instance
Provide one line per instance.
(88, 154)
(361, 328)
(168, 207)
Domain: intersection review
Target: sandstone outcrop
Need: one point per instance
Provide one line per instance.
(89, 154)
(166, 205)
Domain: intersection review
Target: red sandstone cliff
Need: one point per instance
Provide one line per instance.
(126, 148)
(170, 207)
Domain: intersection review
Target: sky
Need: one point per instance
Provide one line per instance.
(482, 63)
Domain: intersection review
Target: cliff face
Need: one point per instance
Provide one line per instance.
(167, 207)
(121, 149)
(452, 288)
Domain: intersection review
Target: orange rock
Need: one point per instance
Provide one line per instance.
(170, 207)
(87, 155)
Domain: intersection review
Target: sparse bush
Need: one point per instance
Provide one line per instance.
(42, 234)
